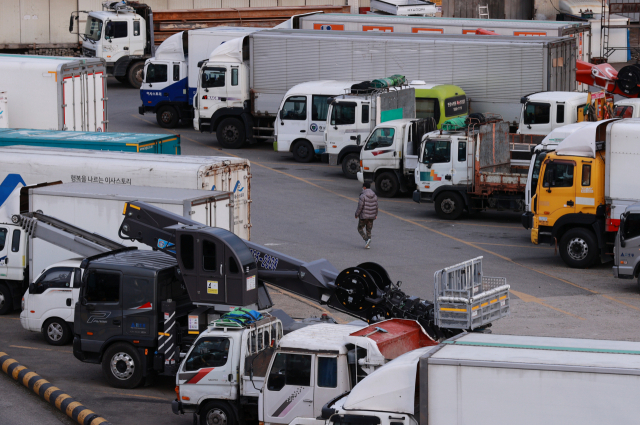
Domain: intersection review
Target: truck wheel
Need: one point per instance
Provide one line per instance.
(449, 206)
(230, 133)
(56, 331)
(387, 185)
(6, 302)
(122, 79)
(167, 117)
(121, 366)
(217, 413)
(351, 165)
(134, 74)
(303, 151)
(578, 248)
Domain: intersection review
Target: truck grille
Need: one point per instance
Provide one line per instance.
(88, 52)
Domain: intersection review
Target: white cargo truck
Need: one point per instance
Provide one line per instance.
(467, 379)
(21, 166)
(301, 129)
(55, 93)
(241, 86)
(545, 111)
(170, 77)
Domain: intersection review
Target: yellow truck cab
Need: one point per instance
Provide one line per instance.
(582, 189)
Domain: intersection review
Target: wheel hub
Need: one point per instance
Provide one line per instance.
(122, 366)
(1, 300)
(231, 133)
(578, 249)
(166, 117)
(303, 151)
(216, 417)
(353, 165)
(447, 206)
(385, 185)
(54, 331)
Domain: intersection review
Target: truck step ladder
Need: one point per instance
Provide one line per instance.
(483, 12)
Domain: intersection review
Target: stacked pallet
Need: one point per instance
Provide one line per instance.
(169, 22)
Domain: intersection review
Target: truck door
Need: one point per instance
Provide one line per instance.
(12, 247)
(289, 392)
(139, 306)
(326, 382)
(4, 248)
(557, 196)
(380, 151)
(343, 119)
(315, 133)
(436, 164)
(48, 293)
(536, 118)
(204, 262)
(156, 80)
(116, 36)
(293, 121)
(208, 369)
(99, 316)
(213, 93)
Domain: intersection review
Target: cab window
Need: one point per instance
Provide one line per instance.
(295, 108)
(15, 241)
(3, 237)
(365, 114)
(156, 73)
(436, 151)
(327, 372)
(427, 108)
(462, 151)
(631, 226)
(381, 138)
(234, 76)
(623, 111)
(115, 29)
(343, 113)
(102, 287)
(176, 72)
(213, 77)
(136, 28)
(319, 107)
(586, 174)
(136, 292)
(208, 255)
(559, 114)
(558, 175)
(56, 277)
(289, 369)
(208, 352)
(537, 113)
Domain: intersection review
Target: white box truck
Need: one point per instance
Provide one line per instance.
(487, 379)
(241, 86)
(55, 93)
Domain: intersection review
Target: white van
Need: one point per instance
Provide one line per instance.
(48, 305)
(302, 117)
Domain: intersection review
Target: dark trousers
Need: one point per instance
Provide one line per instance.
(365, 223)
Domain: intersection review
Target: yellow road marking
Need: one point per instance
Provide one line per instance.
(530, 298)
(41, 349)
(406, 220)
(469, 224)
(516, 246)
(131, 395)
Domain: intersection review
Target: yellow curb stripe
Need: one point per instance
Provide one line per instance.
(60, 399)
(25, 380)
(72, 406)
(38, 384)
(7, 363)
(16, 371)
(83, 414)
(50, 390)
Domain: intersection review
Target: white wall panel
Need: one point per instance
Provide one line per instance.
(59, 12)
(207, 4)
(34, 21)
(180, 4)
(235, 3)
(11, 20)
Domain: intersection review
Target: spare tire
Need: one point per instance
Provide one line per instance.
(629, 79)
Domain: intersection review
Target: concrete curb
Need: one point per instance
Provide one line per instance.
(49, 393)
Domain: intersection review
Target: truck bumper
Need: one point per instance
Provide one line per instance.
(324, 157)
(360, 176)
(420, 197)
(24, 321)
(179, 408)
(77, 349)
(527, 220)
(333, 159)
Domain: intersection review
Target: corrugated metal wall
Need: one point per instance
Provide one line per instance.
(480, 69)
(498, 9)
(634, 17)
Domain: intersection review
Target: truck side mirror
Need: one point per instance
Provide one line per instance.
(71, 23)
(200, 63)
(358, 140)
(32, 288)
(108, 31)
(621, 230)
(281, 114)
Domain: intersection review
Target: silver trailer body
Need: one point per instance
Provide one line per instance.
(98, 208)
(494, 71)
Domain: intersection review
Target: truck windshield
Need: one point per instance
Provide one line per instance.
(156, 73)
(343, 113)
(208, 352)
(93, 30)
(381, 138)
(623, 111)
(436, 151)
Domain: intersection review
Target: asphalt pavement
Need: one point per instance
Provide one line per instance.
(307, 211)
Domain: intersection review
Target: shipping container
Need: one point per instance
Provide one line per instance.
(55, 93)
(123, 142)
(28, 165)
(98, 208)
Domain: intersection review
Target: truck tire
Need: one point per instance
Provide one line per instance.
(217, 413)
(351, 165)
(230, 133)
(56, 331)
(303, 151)
(578, 248)
(121, 366)
(449, 206)
(167, 117)
(6, 300)
(134, 74)
(122, 79)
(387, 185)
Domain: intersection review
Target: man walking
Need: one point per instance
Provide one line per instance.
(367, 212)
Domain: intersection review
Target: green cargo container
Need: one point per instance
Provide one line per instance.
(124, 142)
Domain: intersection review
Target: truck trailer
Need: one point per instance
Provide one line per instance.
(240, 87)
(123, 142)
(470, 377)
(55, 93)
